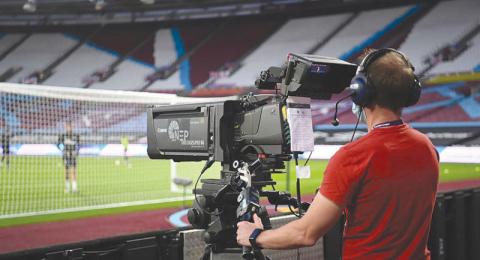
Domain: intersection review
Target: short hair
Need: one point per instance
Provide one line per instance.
(393, 79)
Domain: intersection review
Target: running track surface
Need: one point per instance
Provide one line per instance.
(19, 238)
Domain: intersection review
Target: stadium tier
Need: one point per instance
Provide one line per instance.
(364, 27)
(456, 103)
(35, 53)
(295, 36)
(214, 54)
(465, 61)
(73, 71)
(7, 41)
(427, 36)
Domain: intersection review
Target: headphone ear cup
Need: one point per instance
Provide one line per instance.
(415, 94)
(362, 93)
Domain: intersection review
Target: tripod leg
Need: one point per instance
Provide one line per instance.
(207, 252)
(258, 255)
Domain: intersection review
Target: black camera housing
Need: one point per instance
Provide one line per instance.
(219, 130)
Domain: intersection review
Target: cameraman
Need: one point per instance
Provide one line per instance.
(385, 182)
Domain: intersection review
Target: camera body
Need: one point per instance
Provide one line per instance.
(249, 136)
(218, 131)
(222, 130)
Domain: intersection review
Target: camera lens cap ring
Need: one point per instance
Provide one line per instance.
(236, 164)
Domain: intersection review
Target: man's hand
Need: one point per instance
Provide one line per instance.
(321, 215)
(245, 229)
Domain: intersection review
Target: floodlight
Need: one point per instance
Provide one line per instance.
(99, 4)
(30, 6)
(148, 2)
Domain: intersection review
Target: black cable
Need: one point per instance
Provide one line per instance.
(299, 197)
(208, 164)
(356, 125)
(293, 211)
(308, 159)
(104, 252)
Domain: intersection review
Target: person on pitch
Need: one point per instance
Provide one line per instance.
(69, 144)
(6, 136)
(385, 182)
(124, 142)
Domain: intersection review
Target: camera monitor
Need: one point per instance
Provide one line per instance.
(306, 75)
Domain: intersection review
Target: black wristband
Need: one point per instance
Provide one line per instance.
(253, 238)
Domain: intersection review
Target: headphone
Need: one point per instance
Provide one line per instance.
(363, 89)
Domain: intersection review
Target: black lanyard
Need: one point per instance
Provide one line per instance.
(390, 123)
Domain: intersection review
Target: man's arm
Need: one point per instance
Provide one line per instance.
(320, 217)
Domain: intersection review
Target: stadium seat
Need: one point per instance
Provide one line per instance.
(455, 18)
(39, 50)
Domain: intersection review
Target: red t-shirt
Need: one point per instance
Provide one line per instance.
(387, 181)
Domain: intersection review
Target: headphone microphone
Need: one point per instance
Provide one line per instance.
(335, 121)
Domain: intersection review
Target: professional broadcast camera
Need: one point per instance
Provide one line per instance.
(251, 139)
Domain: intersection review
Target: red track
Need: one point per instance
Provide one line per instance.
(31, 236)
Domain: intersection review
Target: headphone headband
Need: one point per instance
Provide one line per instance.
(365, 91)
(375, 55)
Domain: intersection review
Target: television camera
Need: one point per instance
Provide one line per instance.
(251, 139)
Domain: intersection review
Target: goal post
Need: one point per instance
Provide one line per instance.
(68, 149)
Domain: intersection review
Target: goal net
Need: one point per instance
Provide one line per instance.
(67, 149)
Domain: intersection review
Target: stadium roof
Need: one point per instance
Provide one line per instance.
(88, 6)
(39, 12)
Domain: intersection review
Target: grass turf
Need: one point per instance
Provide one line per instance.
(34, 184)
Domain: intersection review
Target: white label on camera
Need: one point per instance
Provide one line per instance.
(299, 117)
(303, 172)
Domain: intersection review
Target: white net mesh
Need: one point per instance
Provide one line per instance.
(101, 163)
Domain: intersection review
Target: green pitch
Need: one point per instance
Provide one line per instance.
(36, 184)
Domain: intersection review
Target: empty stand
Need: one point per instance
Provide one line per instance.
(124, 43)
(296, 36)
(48, 71)
(36, 53)
(393, 34)
(455, 102)
(229, 45)
(130, 75)
(121, 39)
(359, 30)
(8, 42)
(172, 82)
(445, 23)
(164, 55)
(186, 41)
(73, 70)
(466, 61)
(445, 103)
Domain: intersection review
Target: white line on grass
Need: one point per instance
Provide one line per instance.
(106, 206)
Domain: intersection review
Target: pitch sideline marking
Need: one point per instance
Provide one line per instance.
(105, 206)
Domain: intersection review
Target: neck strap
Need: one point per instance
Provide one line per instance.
(390, 123)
